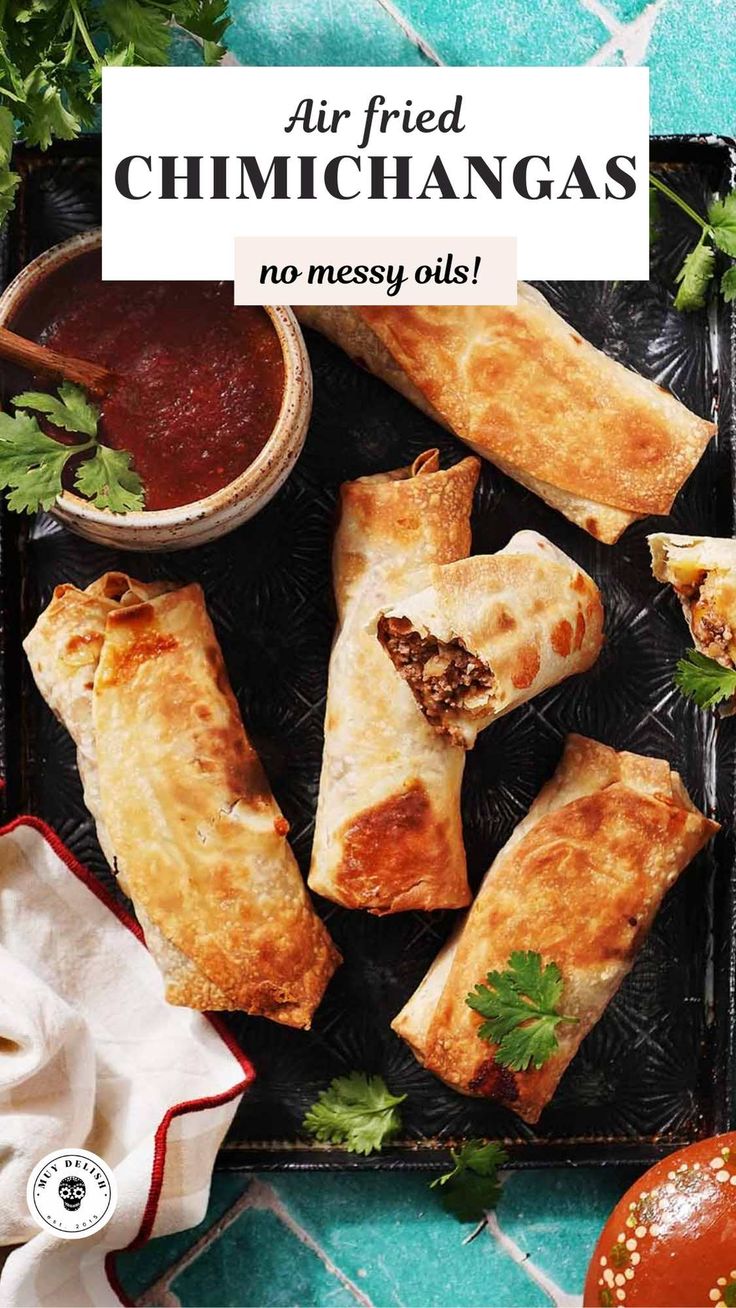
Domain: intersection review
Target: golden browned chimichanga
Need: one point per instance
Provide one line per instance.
(595, 440)
(388, 833)
(183, 809)
(579, 883)
(702, 570)
(490, 632)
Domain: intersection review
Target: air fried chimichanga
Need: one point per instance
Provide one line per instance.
(388, 833)
(595, 440)
(579, 882)
(183, 809)
(492, 631)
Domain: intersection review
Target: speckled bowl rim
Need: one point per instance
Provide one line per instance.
(282, 447)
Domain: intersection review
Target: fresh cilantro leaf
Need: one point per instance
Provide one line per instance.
(703, 680)
(520, 1007)
(212, 53)
(142, 25)
(722, 218)
(728, 284)
(39, 488)
(717, 232)
(695, 277)
(72, 410)
(108, 480)
(45, 115)
(23, 13)
(207, 19)
(8, 179)
(118, 56)
(472, 1186)
(52, 55)
(358, 1111)
(31, 463)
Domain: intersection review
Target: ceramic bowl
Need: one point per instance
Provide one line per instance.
(204, 519)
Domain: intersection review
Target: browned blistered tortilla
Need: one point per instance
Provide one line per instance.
(579, 882)
(183, 809)
(388, 833)
(595, 440)
(489, 632)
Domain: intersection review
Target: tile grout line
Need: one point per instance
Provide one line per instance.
(279, 1209)
(261, 1196)
(599, 11)
(560, 1298)
(630, 40)
(410, 32)
(159, 1292)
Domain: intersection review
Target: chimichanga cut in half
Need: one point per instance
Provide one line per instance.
(595, 440)
(702, 571)
(184, 812)
(578, 883)
(490, 632)
(388, 833)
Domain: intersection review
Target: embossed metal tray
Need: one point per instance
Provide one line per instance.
(658, 1069)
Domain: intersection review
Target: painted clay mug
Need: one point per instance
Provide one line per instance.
(670, 1242)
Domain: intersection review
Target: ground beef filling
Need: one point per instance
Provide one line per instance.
(444, 677)
(711, 630)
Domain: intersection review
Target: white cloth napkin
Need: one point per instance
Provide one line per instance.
(92, 1056)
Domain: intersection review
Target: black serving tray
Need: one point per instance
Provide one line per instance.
(658, 1070)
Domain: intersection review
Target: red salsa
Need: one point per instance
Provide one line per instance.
(201, 381)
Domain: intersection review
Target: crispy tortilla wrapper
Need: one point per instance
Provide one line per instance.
(183, 810)
(388, 833)
(598, 442)
(490, 632)
(579, 882)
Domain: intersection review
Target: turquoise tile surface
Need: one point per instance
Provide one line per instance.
(257, 1260)
(378, 1239)
(555, 1217)
(383, 1239)
(295, 32)
(141, 1269)
(396, 1241)
(544, 32)
(689, 45)
(693, 81)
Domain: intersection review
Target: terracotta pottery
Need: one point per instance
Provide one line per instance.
(670, 1242)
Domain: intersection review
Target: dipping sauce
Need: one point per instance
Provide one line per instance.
(201, 380)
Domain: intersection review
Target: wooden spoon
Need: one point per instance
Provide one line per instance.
(39, 359)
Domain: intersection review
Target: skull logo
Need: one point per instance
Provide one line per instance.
(72, 1191)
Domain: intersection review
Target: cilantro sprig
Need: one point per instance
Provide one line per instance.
(32, 462)
(360, 1112)
(357, 1111)
(53, 52)
(521, 1010)
(717, 232)
(472, 1185)
(704, 680)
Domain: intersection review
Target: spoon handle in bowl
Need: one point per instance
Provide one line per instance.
(40, 359)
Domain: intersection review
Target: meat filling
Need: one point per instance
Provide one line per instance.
(445, 678)
(710, 627)
(711, 630)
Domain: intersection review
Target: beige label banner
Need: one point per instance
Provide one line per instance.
(375, 270)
